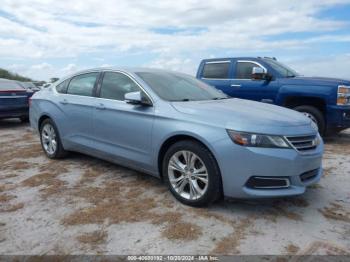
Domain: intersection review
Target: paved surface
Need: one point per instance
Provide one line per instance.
(84, 205)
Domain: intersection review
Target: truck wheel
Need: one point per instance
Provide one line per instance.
(315, 115)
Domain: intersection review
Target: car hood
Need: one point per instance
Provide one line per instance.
(242, 115)
(314, 81)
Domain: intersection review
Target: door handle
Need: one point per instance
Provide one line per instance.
(237, 86)
(64, 102)
(100, 106)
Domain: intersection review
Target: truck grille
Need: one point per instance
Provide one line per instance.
(303, 143)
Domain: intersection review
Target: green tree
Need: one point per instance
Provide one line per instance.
(13, 76)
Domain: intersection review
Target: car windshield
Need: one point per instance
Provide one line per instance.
(28, 85)
(173, 86)
(282, 69)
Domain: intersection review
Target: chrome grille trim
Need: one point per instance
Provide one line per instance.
(303, 144)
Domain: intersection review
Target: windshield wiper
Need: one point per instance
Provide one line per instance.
(181, 100)
(219, 98)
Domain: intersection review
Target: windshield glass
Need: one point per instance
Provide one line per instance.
(282, 69)
(29, 85)
(173, 86)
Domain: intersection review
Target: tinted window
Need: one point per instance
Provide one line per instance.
(244, 70)
(116, 85)
(82, 84)
(9, 85)
(62, 88)
(216, 70)
(172, 86)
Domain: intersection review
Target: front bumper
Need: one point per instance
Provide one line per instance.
(338, 117)
(239, 164)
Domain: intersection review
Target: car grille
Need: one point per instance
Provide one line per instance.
(303, 143)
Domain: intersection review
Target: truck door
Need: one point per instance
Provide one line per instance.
(217, 74)
(247, 88)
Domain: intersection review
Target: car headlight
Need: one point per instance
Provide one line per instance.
(343, 95)
(257, 140)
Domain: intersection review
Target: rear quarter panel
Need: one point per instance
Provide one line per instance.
(44, 103)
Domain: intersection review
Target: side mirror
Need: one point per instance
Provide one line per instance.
(259, 73)
(137, 98)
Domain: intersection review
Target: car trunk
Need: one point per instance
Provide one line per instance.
(13, 97)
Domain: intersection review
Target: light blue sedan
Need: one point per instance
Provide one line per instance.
(203, 144)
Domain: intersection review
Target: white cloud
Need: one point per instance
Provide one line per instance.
(337, 66)
(69, 69)
(43, 30)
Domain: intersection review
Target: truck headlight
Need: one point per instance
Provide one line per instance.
(257, 140)
(343, 95)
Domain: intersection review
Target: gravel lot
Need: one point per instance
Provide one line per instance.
(82, 205)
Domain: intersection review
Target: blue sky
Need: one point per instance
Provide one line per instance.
(43, 39)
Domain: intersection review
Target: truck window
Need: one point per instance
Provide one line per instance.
(244, 70)
(217, 70)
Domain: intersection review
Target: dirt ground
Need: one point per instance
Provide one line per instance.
(82, 205)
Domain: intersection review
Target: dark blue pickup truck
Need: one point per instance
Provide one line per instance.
(325, 100)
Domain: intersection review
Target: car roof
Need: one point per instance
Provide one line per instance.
(237, 58)
(130, 70)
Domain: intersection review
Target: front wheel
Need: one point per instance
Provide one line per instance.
(192, 173)
(315, 115)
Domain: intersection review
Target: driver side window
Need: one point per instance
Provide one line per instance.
(244, 70)
(116, 85)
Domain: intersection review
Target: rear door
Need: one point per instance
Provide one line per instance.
(243, 86)
(13, 99)
(122, 130)
(217, 74)
(77, 105)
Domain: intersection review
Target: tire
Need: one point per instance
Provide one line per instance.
(315, 115)
(208, 192)
(24, 119)
(56, 152)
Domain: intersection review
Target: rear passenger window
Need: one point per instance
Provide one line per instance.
(244, 70)
(82, 84)
(9, 85)
(216, 70)
(116, 85)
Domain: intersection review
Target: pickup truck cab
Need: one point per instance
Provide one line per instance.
(325, 100)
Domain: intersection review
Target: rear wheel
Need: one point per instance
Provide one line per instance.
(50, 140)
(192, 173)
(315, 115)
(24, 119)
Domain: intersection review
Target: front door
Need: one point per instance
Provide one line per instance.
(243, 86)
(122, 130)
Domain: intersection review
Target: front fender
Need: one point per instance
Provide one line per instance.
(325, 93)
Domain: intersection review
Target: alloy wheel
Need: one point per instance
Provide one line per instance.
(48, 138)
(188, 175)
